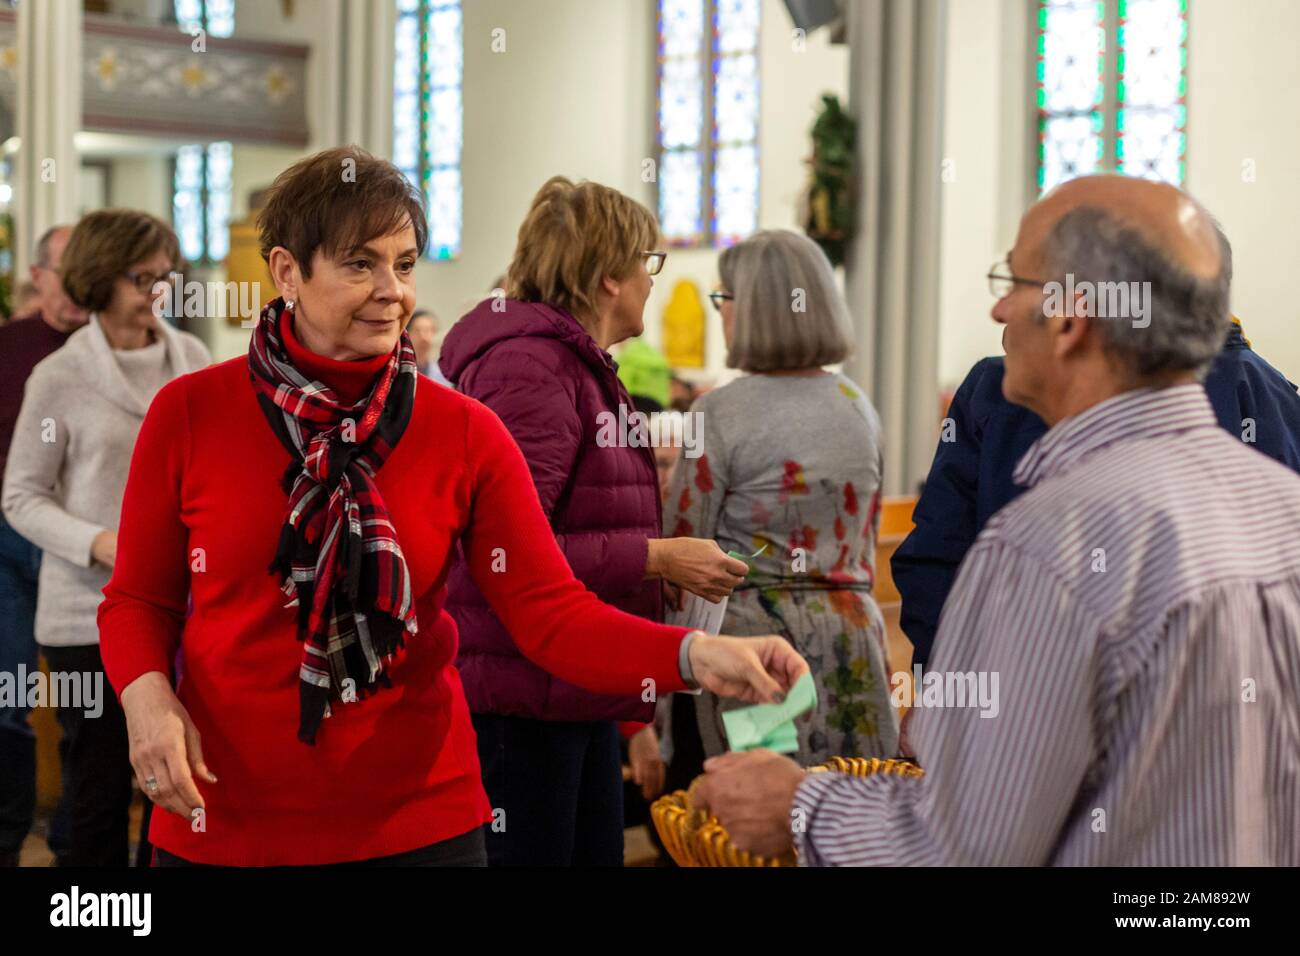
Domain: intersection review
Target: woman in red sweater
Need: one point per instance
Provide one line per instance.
(306, 501)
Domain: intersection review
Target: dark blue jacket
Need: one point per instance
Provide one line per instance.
(970, 478)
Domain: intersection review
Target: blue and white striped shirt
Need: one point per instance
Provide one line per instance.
(1141, 608)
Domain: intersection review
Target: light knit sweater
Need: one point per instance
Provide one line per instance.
(63, 482)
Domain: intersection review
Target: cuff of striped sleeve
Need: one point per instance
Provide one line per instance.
(807, 799)
(839, 820)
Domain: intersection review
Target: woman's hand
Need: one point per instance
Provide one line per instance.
(104, 548)
(697, 565)
(647, 766)
(758, 670)
(164, 745)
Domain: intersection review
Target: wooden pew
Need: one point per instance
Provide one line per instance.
(895, 524)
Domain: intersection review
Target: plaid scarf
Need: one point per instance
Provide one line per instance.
(338, 552)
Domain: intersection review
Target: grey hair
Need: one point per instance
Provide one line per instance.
(1189, 316)
(43, 245)
(789, 312)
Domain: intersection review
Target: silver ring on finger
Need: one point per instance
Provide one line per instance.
(151, 785)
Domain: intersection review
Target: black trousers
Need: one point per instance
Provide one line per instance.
(20, 563)
(97, 770)
(556, 789)
(464, 850)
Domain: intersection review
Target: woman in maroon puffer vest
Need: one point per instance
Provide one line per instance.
(538, 357)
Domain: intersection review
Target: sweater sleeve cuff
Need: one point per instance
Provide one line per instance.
(684, 663)
(52, 529)
(81, 540)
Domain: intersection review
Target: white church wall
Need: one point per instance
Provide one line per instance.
(573, 93)
(972, 235)
(1243, 80)
(142, 182)
(521, 127)
(1243, 157)
(561, 98)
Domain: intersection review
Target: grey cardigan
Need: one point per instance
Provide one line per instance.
(67, 468)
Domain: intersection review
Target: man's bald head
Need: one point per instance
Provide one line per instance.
(1164, 216)
(49, 248)
(1149, 238)
(55, 307)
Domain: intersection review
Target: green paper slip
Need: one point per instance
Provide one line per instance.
(771, 725)
(783, 740)
(747, 558)
(741, 557)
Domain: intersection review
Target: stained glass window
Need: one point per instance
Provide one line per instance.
(201, 182)
(681, 120)
(1112, 89)
(1151, 117)
(201, 193)
(428, 125)
(217, 17)
(708, 112)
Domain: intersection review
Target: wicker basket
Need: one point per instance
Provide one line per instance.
(696, 838)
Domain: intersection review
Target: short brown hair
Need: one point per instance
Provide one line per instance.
(337, 200)
(572, 238)
(104, 245)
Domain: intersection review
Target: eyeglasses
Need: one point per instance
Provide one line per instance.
(717, 298)
(654, 261)
(1002, 280)
(145, 281)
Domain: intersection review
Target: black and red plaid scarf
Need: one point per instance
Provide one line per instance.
(338, 551)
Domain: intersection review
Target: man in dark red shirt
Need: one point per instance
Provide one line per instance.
(24, 341)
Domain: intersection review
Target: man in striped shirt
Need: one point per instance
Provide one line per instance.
(1136, 613)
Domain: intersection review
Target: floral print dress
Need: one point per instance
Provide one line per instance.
(788, 469)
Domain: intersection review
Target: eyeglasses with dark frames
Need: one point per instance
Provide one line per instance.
(654, 261)
(145, 281)
(1002, 280)
(719, 297)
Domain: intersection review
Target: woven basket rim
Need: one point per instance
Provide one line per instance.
(708, 845)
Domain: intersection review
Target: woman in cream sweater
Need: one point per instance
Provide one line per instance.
(63, 486)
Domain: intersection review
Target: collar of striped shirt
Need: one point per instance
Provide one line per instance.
(1140, 413)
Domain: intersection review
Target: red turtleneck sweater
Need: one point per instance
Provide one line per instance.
(399, 770)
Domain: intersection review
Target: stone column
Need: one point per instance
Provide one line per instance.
(892, 266)
(47, 180)
(355, 76)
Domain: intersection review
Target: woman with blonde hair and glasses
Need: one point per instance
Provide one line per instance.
(791, 469)
(539, 358)
(305, 503)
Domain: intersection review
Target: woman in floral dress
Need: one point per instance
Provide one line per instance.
(789, 471)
